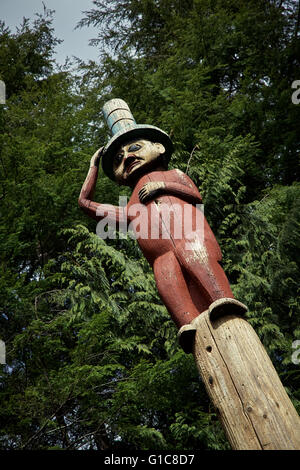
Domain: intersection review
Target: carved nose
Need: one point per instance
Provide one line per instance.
(128, 160)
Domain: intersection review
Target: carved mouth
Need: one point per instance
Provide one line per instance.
(131, 166)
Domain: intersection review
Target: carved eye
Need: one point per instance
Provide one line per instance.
(134, 147)
(118, 158)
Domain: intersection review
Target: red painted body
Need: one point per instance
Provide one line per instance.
(188, 281)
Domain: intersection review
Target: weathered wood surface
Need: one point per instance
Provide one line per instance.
(117, 115)
(252, 404)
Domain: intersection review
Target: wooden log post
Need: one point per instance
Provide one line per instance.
(252, 404)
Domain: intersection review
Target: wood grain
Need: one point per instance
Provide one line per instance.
(252, 404)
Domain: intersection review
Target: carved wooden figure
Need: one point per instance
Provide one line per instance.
(176, 239)
(179, 245)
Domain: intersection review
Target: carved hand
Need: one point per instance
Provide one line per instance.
(96, 157)
(151, 189)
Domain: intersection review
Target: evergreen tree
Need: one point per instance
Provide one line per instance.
(92, 356)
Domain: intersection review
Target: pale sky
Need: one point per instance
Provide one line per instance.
(66, 16)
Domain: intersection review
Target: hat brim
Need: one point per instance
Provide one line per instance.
(139, 131)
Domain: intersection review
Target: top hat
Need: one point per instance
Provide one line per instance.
(124, 129)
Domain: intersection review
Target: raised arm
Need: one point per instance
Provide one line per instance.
(94, 209)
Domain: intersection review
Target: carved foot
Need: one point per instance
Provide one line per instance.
(226, 306)
(186, 336)
(219, 308)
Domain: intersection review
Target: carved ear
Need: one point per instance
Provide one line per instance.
(160, 147)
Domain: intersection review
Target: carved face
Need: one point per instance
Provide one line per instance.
(134, 158)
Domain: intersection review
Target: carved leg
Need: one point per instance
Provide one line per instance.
(214, 285)
(205, 271)
(173, 290)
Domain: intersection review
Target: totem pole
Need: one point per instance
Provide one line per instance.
(185, 258)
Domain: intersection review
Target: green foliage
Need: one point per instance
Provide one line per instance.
(101, 359)
(92, 355)
(26, 56)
